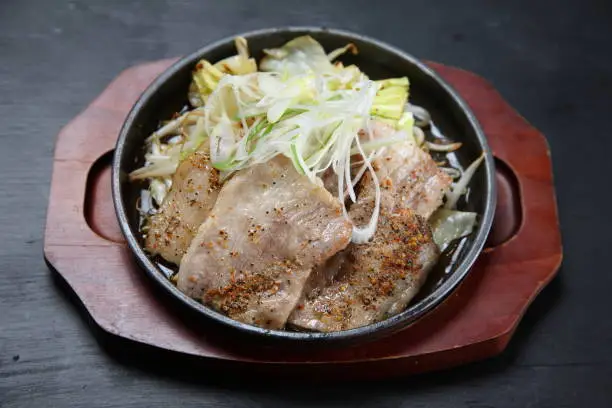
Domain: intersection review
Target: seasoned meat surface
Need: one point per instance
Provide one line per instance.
(195, 187)
(269, 228)
(408, 176)
(366, 282)
(378, 279)
(323, 275)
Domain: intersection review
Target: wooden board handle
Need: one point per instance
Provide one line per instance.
(73, 182)
(523, 171)
(83, 153)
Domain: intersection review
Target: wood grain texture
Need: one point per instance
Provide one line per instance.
(476, 321)
(551, 63)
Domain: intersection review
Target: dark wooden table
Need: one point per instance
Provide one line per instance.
(553, 63)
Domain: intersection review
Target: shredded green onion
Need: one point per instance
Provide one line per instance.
(300, 105)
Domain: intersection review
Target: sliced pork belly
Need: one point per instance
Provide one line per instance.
(268, 230)
(195, 187)
(408, 176)
(367, 282)
(378, 279)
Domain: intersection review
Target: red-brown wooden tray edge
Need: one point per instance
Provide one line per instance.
(84, 246)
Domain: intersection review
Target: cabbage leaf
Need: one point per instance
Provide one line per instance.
(449, 225)
(206, 76)
(391, 98)
(299, 56)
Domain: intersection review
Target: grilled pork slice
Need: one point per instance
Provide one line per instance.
(195, 187)
(412, 188)
(269, 228)
(324, 274)
(377, 279)
(408, 176)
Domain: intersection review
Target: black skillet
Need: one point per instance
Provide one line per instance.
(168, 94)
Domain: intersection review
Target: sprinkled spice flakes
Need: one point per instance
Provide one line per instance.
(245, 287)
(401, 261)
(235, 297)
(195, 187)
(252, 261)
(374, 277)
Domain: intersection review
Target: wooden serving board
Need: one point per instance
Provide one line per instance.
(84, 245)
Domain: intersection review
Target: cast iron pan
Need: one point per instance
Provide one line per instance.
(168, 94)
